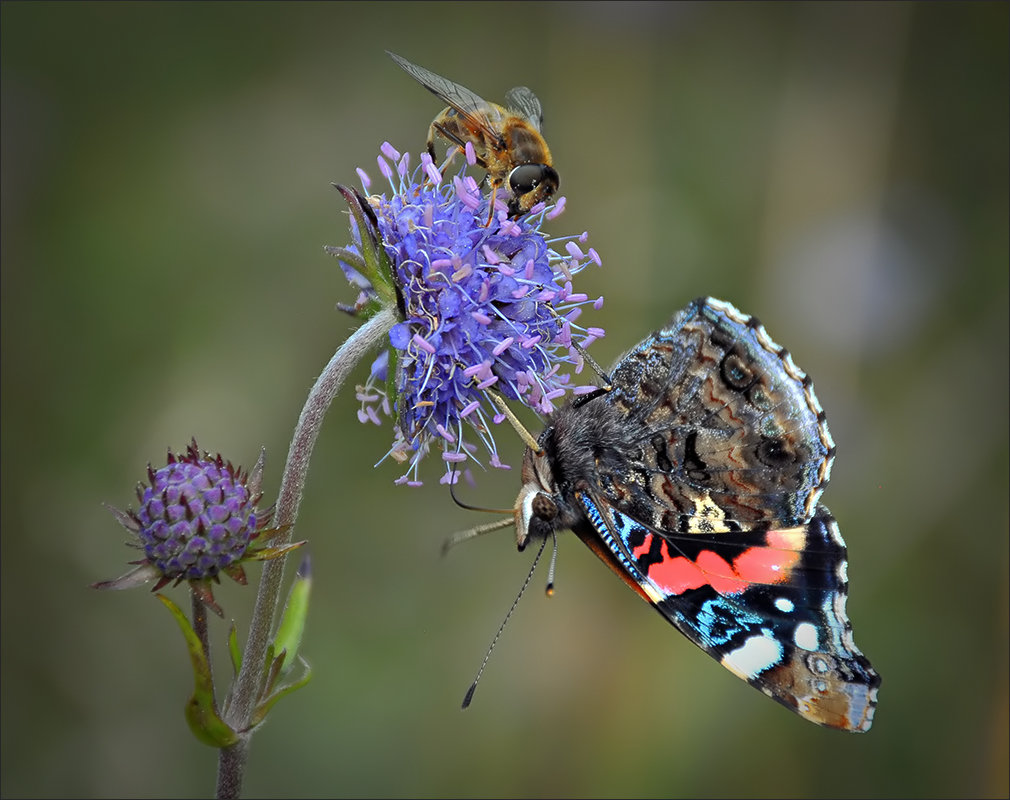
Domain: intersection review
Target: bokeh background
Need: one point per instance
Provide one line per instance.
(839, 170)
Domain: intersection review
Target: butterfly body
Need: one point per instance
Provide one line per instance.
(696, 478)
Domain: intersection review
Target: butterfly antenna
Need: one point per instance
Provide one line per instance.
(473, 686)
(592, 362)
(554, 562)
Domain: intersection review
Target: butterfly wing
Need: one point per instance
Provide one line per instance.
(769, 605)
(712, 515)
(729, 433)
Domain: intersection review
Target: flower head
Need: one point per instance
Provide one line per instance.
(485, 308)
(196, 519)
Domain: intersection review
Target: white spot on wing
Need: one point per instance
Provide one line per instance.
(753, 657)
(806, 636)
(784, 604)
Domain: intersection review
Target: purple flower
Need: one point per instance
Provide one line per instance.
(485, 308)
(196, 519)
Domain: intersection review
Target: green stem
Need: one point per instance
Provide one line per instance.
(200, 629)
(232, 762)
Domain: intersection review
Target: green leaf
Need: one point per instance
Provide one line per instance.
(234, 650)
(289, 633)
(201, 710)
(264, 708)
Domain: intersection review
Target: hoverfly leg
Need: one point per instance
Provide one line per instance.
(490, 209)
(450, 156)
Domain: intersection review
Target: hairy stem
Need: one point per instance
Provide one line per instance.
(231, 765)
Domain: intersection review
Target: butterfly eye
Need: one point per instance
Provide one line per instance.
(544, 508)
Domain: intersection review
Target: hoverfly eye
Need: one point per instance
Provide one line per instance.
(526, 177)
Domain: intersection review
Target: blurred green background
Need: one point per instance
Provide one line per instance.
(840, 171)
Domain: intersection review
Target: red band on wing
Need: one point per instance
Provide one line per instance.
(678, 574)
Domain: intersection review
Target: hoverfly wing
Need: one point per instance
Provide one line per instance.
(472, 107)
(522, 100)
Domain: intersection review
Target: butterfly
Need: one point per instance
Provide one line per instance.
(696, 477)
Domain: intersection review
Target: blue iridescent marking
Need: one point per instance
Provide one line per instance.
(625, 525)
(718, 621)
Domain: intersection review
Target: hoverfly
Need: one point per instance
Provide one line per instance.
(506, 140)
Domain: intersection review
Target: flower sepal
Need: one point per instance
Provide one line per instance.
(372, 264)
(138, 576)
(269, 553)
(367, 304)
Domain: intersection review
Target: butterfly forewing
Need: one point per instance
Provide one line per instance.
(728, 430)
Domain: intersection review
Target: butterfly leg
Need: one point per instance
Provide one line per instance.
(593, 363)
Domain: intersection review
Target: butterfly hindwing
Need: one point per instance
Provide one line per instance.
(769, 605)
